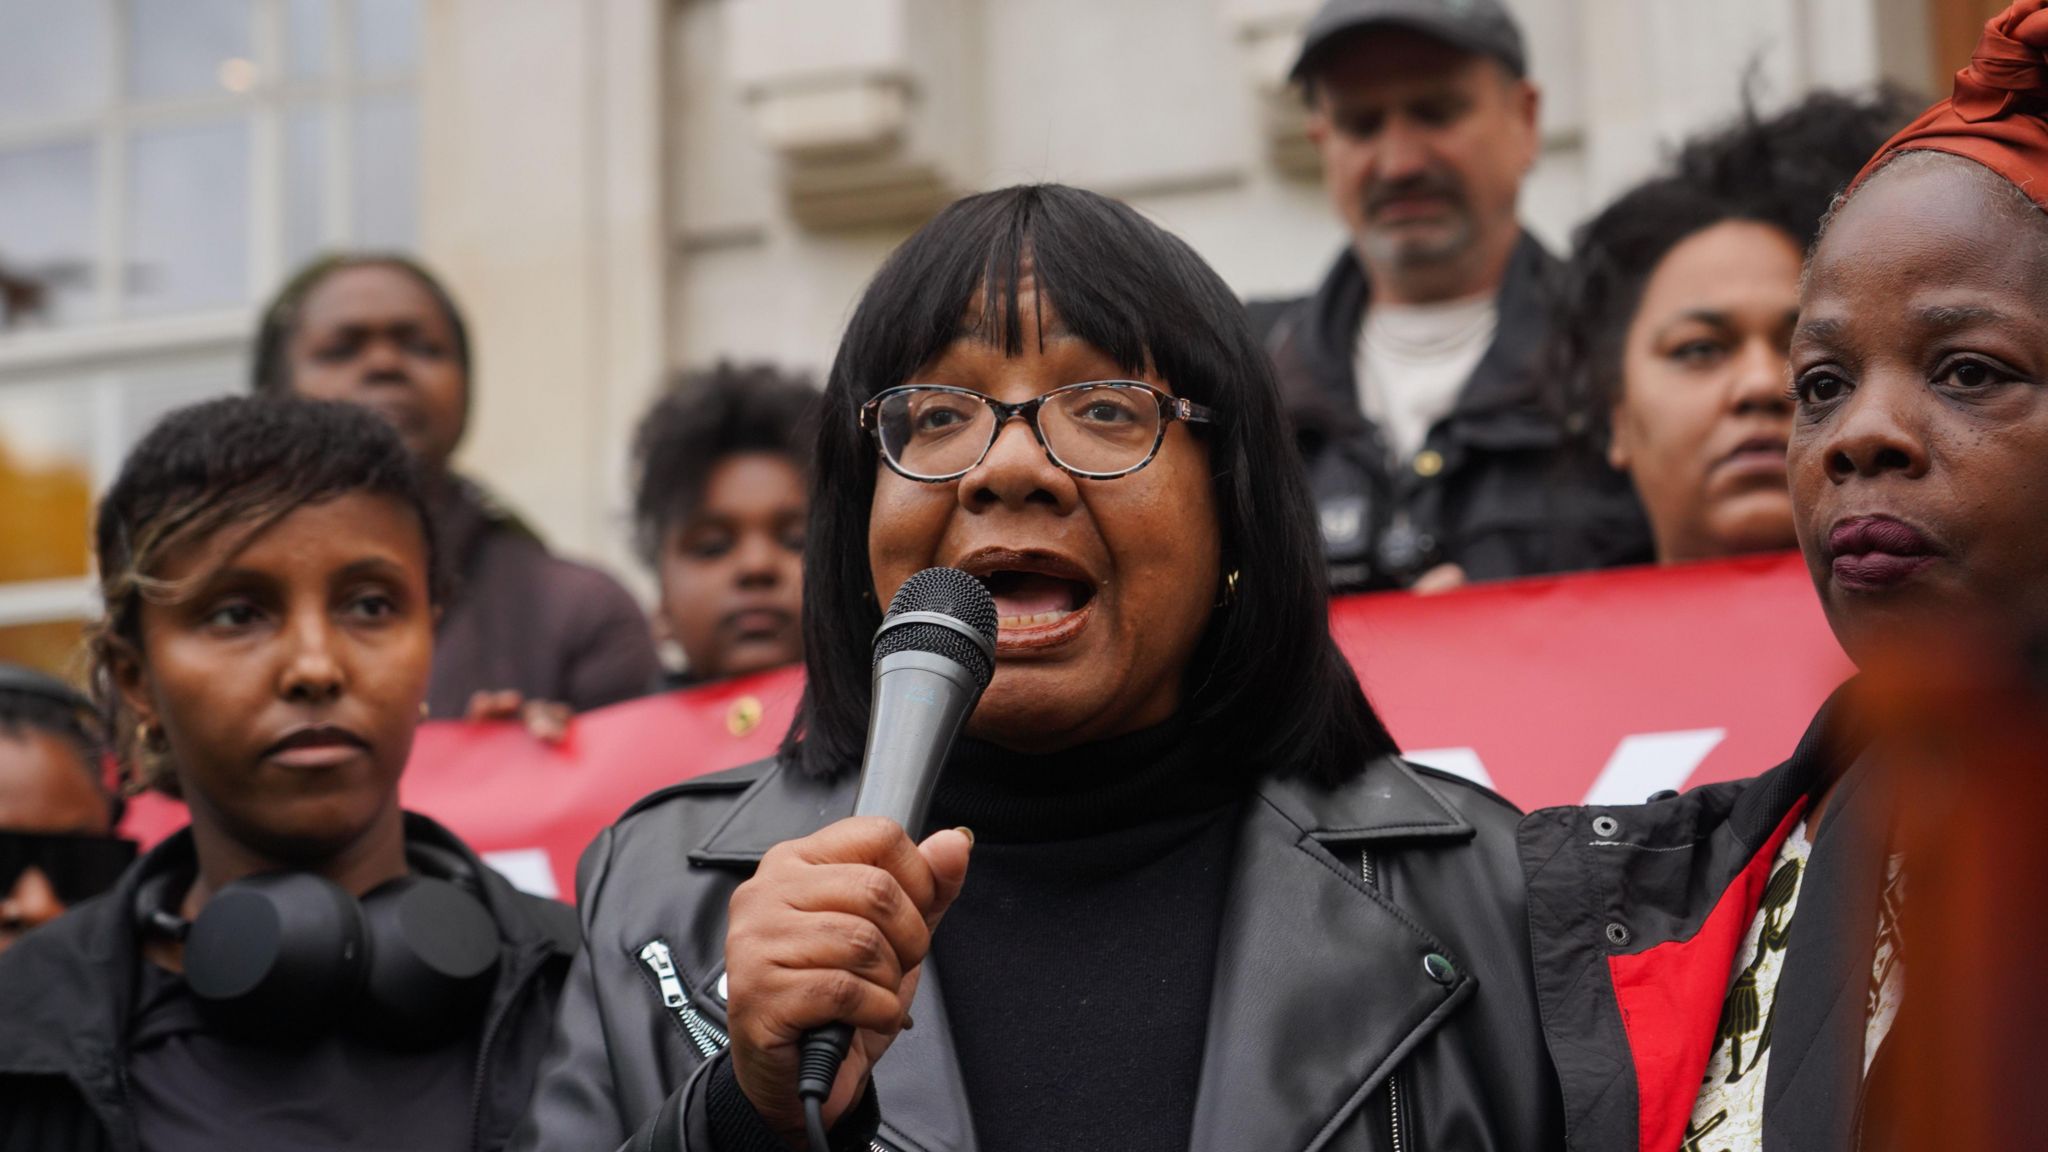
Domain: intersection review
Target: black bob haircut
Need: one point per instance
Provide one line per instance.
(1267, 684)
(271, 367)
(1783, 172)
(240, 463)
(704, 417)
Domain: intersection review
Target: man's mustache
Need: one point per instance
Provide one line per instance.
(1435, 184)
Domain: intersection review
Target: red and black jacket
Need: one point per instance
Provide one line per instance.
(1636, 913)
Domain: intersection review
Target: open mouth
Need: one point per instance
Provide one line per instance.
(1027, 599)
(1042, 598)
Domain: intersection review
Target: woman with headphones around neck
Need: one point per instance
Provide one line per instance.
(306, 966)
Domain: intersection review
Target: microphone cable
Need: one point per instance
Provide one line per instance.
(814, 1124)
(817, 1066)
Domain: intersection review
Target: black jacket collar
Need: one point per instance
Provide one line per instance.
(1502, 405)
(1391, 802)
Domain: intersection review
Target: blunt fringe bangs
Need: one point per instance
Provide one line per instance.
(1267, 684)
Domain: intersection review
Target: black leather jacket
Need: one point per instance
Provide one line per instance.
(1372, 985)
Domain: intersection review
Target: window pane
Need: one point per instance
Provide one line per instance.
(49, 200)
(55, 646)
(305, 38)
(52, 58)
(188, 212)
(386, 178)
(305, 184)
(147, 396)
(45, 480)
(183, 47)
(387, 35)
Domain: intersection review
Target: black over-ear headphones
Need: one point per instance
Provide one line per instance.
(287, 957)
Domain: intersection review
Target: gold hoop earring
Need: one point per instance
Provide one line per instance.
(149, 762)
(1229, 596)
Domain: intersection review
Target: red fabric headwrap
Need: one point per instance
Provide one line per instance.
(1996, 115)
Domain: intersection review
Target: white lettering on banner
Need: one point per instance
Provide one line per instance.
(1642, 765)
(1457, 761)
(1652, 762)
(529, 870)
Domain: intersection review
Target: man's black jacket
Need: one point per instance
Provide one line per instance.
(67, 990)
(1371, 976)
(1637, 913)
(1500, 486)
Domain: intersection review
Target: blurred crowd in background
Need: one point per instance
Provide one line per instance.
(1526, 277)
(618, 192)
(1477, 394)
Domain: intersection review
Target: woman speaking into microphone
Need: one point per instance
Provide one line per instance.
(1202, 904)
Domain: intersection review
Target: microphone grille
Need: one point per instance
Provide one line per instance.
(946, 592)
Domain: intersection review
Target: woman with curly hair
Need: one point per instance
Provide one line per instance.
(718, 510)
(1678, 307)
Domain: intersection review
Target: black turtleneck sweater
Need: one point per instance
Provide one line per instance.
(1077, 961)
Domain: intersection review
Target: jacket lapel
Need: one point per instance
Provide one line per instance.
(1815, 1079)
(924, 1101)
(1320, 984)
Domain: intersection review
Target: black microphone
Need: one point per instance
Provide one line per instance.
(934, 654)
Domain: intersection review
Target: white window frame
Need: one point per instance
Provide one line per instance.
(96, 352)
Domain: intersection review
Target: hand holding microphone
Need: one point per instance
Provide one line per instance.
(831, 929)
(824, 943)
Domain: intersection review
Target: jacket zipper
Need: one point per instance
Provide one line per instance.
(1397, 1115)
(710, 1040)
(708, 1037)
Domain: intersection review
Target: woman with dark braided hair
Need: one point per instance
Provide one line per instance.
(1677, 307)
(306, 966)
(523, 629)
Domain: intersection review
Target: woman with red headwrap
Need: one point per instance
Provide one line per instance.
(1722, 969)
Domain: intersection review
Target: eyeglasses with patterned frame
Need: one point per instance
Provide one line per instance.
(882, 412)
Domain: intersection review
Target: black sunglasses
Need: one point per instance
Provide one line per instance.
(79, 866)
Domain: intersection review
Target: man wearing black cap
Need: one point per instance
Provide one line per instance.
(1414, 372)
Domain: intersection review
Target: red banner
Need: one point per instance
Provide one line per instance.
(1602, 686)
